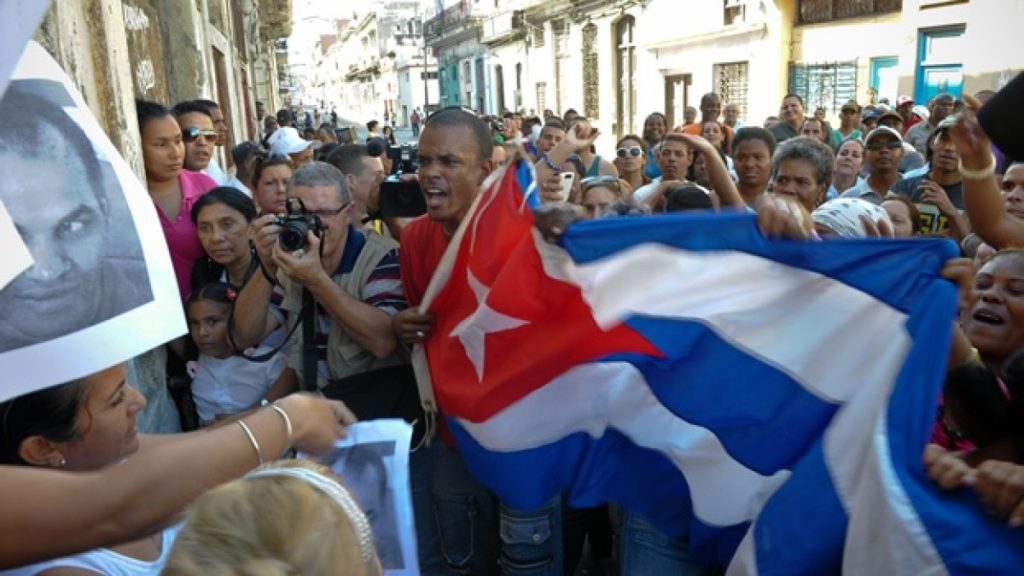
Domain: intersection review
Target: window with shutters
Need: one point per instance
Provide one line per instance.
(538, 37)
(560, 40)
(542, 96)
(590, 72)
(731, 84)
(625, 76)
(735, 11)
(813, 11)
(827, 85)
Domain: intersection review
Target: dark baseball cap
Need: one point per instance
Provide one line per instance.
(688, 197)
(242, 151)
(890, 114)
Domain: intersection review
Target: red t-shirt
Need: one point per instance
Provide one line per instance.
(423, 244)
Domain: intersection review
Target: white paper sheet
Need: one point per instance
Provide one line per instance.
(101, 289)
(373, 462)
(18, 22)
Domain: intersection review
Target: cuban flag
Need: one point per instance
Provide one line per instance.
(768, 399)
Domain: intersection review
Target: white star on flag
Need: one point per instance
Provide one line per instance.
(473, 329)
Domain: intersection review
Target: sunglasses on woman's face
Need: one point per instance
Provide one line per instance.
(192, 134)
(634, 151)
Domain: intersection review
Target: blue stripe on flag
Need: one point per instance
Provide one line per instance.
(801, 528)
(969, 542)
(762, 416)
(590, 471)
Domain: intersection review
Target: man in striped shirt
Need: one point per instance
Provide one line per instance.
(352, 276)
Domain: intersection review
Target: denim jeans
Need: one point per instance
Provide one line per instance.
(645, 550)
(467, 517)
(531, 540)
(421, 482)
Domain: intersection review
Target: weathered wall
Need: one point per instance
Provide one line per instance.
(142, 26)
(87, 38)
(184, 47)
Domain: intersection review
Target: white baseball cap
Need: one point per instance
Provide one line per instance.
(287, 141)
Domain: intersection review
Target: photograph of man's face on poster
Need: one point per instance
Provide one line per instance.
(366, 474)
(67, 207)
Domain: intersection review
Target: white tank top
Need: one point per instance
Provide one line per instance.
(105, 561)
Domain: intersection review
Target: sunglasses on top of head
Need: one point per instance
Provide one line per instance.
(192, 134)
(634, 151)
(594, 181)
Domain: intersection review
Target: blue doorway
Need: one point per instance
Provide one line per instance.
(884, 78)
(939, 68)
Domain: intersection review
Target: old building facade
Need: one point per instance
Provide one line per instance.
(168, 51)
(618, 60)
(372, 66)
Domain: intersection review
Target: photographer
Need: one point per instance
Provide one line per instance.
(352, 282)
(364, 174)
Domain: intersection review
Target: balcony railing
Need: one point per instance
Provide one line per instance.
(450, 19)
(502, 26)
(814, 11)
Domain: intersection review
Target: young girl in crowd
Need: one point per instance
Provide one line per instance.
(84, 425)
(223, 381)
(713, 132)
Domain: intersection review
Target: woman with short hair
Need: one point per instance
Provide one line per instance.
(802, 167)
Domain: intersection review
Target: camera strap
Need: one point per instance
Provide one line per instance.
(309, 357)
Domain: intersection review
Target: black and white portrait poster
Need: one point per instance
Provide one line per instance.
(373, 462)
(98, 288)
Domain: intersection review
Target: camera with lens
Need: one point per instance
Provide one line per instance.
(296, 225)
(400, 197)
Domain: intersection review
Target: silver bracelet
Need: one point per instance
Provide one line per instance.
(287, 424)
(983, 174)
(252, 440)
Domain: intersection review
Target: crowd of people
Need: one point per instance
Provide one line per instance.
(292, 279)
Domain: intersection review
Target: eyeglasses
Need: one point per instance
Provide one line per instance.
(595, 181)
(634, 151)
(890, 144)
(192, 134)
(328, 213)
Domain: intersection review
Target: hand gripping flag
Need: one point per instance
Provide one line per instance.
(769, 400)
